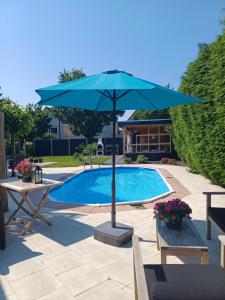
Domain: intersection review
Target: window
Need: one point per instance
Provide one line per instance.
(141, 139)
(153, 139)
(165, 139)
(52, 130)
(149, 139)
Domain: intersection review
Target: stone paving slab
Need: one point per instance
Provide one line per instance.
(81, 279)
(107, 290)
(64, 261)
(58, 294)
(35, 286)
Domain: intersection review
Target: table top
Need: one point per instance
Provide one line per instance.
(186, 237)
(17, 185)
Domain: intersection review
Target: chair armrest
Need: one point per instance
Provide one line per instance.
(222, 254)
(209, 197)
(213, 193)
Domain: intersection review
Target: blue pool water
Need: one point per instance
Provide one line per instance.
(94, 186)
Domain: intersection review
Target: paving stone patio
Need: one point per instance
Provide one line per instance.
(63, 261)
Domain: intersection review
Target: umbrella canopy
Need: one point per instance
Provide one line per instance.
(96, 92)
(111, 91)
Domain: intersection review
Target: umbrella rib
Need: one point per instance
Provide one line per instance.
(65, 92)
(146, 99)
(100, 100)
(124, 94)
(105, 94)
(108, 93)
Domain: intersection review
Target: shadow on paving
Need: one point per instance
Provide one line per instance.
(65, 230)
(15, 252)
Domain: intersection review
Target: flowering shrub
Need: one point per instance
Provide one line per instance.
(168, 161)
(25, 167)
(172, 210)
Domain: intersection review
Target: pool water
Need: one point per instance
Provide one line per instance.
(93, 187)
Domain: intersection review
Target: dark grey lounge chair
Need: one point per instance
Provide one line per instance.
(215, 215)
(177, 282)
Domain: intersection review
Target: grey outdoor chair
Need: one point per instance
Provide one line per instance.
(214, 215)
(178, 282)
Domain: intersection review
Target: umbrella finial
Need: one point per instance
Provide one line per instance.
(116, 71)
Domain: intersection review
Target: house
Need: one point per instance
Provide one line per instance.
(61, 130)
(64, 142)
(148, 137)
(133, 137)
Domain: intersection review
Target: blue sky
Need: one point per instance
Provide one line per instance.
(152, 39)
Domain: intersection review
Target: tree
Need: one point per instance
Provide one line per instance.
(41, 121)
(86, 153)
(150, 114)
(82, 122)
(3, 194)
(199, 130)
(74, 74)
(18, 122)
(2, 143)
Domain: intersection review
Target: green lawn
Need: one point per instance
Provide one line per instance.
(69, 161)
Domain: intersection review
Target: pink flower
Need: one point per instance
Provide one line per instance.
(172, 209)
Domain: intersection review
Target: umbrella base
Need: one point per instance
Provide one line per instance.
(117, 236)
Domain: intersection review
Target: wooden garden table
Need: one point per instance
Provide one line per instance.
(183, 242)
(24, 189)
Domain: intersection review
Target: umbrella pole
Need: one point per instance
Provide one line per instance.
(113, 213)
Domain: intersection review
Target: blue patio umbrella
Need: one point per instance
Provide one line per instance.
(111, 91)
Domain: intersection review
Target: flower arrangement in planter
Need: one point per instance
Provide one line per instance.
(25, 170)
(173, 212)
(168, 161)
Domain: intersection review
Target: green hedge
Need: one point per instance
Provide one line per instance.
(199, 130)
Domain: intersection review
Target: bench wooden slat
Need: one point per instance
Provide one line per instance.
(140, 286)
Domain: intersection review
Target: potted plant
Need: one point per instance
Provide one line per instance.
(127, 159)
(172, 212)
(24, 168)
(141, 159)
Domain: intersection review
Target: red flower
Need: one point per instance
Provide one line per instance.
(24, 167)
(173, 209)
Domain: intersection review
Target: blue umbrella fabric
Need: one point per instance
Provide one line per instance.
(111, 91)
(96, 92)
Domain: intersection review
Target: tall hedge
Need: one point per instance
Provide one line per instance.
(199, 130)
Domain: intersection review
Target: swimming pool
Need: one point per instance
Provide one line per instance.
(93, 187)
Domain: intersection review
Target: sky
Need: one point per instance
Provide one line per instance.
(152, 39)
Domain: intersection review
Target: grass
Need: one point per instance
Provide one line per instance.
(69, 161)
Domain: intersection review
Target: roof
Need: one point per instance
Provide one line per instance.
(144, 122)
(127, 115)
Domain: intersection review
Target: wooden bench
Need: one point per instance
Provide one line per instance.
(176, 282)
(215, 215)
